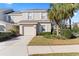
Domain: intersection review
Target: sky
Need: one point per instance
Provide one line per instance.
(24, 6)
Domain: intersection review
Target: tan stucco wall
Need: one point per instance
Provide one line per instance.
(16, 18)
(25, 16)
(35, 16)
(47, 26)
(7, 26)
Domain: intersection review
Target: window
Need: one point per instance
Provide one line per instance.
(43, 28)
(44, 16)
(2, 28)
(30, 16)
(36, 16)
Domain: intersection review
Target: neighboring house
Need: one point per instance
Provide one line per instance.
(30, 22)
(5, 20)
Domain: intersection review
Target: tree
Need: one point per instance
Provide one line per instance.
(59, 12)
(70, 9)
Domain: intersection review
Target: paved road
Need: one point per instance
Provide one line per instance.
(15, 47)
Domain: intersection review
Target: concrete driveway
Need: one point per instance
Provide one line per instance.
(15, 47)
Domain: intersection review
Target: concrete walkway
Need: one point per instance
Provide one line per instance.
(15, 47)
(53, 49)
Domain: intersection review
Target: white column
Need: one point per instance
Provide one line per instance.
(21, 29)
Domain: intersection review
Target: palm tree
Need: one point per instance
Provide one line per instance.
(59, 12)
(55, 13)
(70, 9)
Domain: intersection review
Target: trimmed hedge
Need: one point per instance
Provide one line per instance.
(6, 35)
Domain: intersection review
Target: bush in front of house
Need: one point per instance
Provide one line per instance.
(67, 33)
(6, 35)
(75, 30)
(44, 33)
(64, 34)
(47, 35)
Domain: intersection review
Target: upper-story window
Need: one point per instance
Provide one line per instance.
(43, 15)
(30, 16)
(37, 16)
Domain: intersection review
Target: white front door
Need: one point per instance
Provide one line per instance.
(29, 30)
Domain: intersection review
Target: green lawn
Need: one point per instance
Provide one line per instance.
(38, 40)
(57, 54)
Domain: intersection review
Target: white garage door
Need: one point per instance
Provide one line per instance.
(29, 30)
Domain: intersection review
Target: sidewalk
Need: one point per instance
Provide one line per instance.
(53, 49)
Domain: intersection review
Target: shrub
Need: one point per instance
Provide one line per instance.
(6, 35)
(48, 35)
(76, 30)
(15, 30)
(67, 33)
(44, 33)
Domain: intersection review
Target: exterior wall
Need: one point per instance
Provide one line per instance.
(4, 26)
(16, 18)
(47, 27)
(21, 29)
(4, 17)
(29, 16)
(35, 16)
(25, 16)
(9, 27)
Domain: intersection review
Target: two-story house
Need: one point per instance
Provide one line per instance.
(31, 22)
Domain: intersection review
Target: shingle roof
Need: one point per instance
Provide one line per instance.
(15, 13)
(6, 10)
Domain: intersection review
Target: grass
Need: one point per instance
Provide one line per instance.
(57, 54)
(39, 40)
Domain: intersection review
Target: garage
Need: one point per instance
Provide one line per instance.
(29, 30)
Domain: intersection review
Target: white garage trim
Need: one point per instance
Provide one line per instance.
(28, 30)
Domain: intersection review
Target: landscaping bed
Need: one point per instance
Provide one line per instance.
(57, 54)
(6, 36)
(40, 41)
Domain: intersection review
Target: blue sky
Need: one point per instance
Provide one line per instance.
(23, 6)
